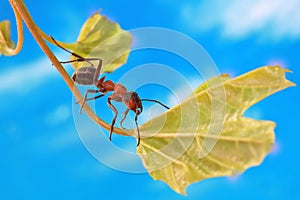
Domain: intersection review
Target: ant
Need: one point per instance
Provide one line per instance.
(89, 76)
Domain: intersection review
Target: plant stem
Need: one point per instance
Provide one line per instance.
(19, 31)
(22, 10)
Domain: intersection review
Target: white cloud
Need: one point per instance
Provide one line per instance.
(59, 115)
(22, 79)
(238, 19)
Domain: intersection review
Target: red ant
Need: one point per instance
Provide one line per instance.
(89, 76)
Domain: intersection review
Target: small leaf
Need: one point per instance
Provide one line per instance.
(101, 38)
(6, 44)
(206, 135)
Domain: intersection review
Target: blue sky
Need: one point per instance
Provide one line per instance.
(42, 155)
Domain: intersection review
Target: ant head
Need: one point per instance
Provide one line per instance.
(133, 102)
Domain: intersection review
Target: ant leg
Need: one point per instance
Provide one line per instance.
(71, 61)
(137, 128)
(85, 97)
(85, 60)
(121, 122)
(93, 98)
(80, 58)
(97, 73)
(115, 117)
(96, 97)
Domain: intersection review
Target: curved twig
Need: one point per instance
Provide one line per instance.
(19, 32)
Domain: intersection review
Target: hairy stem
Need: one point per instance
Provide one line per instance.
(35, 31)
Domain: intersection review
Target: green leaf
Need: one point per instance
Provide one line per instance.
(6, 44)
(206, 135)
(101, 38)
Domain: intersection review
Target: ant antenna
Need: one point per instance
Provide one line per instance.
(155, 101)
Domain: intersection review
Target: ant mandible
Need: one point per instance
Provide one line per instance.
(89, 76)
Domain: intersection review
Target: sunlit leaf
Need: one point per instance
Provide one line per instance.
(6, 44)
(211, 82)
(207, 136)
(101, 38)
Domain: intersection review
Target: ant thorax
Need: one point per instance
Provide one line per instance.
(84, 75)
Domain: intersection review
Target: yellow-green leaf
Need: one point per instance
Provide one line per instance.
(6, 44)
(206, 135)
(211, 82)
(101, 38)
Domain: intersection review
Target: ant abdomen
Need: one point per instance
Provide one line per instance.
(84, 75)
